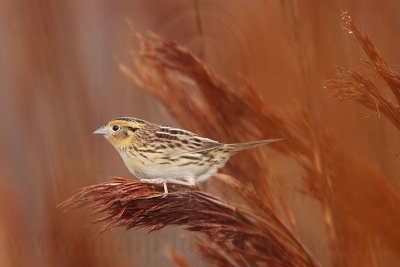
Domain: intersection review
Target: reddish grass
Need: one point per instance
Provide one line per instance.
(236, 234)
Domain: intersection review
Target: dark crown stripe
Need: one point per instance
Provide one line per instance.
(130, 119)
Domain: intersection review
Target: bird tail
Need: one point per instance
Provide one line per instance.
(243, 146)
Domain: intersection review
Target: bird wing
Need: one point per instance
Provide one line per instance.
(177, 141)
(205, 144)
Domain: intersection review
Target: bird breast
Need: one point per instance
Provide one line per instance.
(171, 167)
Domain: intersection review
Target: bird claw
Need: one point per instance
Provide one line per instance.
(158, 181)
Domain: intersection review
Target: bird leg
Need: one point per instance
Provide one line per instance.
(186, 182)
(165, 187)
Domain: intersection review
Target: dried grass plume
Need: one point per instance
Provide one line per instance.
(237, 235)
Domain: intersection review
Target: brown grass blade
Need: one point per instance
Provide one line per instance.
(358, 86)
(237, 232)
(377, 62)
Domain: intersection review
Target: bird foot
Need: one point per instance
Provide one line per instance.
(157, 181)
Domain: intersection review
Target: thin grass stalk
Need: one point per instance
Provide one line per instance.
(358, 86)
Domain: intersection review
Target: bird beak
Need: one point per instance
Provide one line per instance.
(102, 130)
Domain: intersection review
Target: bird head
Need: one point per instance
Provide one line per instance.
(121, 132)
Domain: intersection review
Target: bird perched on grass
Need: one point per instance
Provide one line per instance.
(155, 153)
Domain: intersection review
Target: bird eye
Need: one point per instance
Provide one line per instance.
(115, 128)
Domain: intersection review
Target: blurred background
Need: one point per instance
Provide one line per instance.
(60, 81)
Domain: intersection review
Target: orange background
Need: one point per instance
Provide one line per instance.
(60, 81)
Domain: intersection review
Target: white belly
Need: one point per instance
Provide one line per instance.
(149, 170)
